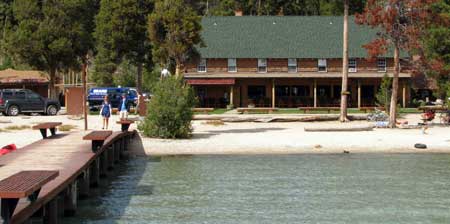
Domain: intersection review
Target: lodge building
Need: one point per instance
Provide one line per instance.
(287, 61)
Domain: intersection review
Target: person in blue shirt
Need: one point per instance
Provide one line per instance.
(123, 108)
(105, 112)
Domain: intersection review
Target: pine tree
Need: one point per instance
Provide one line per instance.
(174, 29)
(121, 33)
(52, 35)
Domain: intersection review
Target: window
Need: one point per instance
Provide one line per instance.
(292, 65)
(300, 91)
(7, 94)
(256, 92)
(33, 96)
(232, 65)
(202, 65)
(282, 91)
(352, 65)
(381, 64)
(262, 65)
(322, 65)
(20, 95)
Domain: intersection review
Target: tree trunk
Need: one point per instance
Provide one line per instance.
(178, 70)
(83, 78)
(51, 84)
(393, 107)
(139, 77)
(343, 114)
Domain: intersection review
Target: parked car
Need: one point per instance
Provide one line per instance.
(16, 101)
(96, 95)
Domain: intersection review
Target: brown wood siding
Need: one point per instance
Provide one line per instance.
(249, 65)
(277, 65)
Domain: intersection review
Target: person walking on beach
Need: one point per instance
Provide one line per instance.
(105, 112)
(123, 108)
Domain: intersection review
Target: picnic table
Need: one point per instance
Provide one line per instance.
(42, 127)
(256, 109)
(24, 184)
(97, 138)
(125, 123)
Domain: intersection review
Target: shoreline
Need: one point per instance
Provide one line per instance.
(259, 138)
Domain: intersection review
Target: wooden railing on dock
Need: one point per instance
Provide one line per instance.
(79, 170)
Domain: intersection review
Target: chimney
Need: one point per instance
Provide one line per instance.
(238, 12)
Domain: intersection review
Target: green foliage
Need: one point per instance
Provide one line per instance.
(169, 111)
(174, 29)
(121, 35)
(437, 50)
(276, 7)
(125, 74)
(383, 96)
(51, 35)
(151, 79)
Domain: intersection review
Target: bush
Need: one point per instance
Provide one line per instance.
(169, 111)
(383, 96)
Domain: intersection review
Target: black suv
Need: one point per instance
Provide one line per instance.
(15, 101)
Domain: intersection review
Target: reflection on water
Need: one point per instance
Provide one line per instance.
(362, 188)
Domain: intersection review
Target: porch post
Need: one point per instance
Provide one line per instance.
(273, 93)
(231, 95)
(404, 95)
(315, 93)
(359, 94)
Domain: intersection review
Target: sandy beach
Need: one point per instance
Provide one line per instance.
(256, 138)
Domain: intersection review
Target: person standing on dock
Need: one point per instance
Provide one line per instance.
(123, 108)
(105, 112)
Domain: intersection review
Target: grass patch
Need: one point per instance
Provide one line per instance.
(66, 127)
(17, 127)
(410, 111)
(94, 112)
(215, 111)
(214, 122)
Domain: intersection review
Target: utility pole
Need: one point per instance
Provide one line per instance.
(84, 74)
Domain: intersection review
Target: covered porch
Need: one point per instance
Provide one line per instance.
(290, 92)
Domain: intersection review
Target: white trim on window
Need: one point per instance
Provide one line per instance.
(352, 65)
(232, 65)
(381, 65)
(292, 65)
(202, 65)
(322, 65)
(262, 65)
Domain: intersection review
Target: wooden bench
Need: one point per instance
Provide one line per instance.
(206, 110)
(328, 109)
(21, 185)
(97, 138)
(47, 125)
(125, 123)
(246, 110)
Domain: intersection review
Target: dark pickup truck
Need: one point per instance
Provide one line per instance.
(15, 101)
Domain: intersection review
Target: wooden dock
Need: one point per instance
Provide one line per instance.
(79, 169)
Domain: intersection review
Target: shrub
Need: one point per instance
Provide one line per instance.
(169, 111)
(383, 96)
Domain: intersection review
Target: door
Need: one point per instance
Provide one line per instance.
(35, 102)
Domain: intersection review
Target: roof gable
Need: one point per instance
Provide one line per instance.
(281, 37)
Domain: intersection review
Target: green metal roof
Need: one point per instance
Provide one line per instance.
(281, 37)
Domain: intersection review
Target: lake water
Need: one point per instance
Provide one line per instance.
(347, 188)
